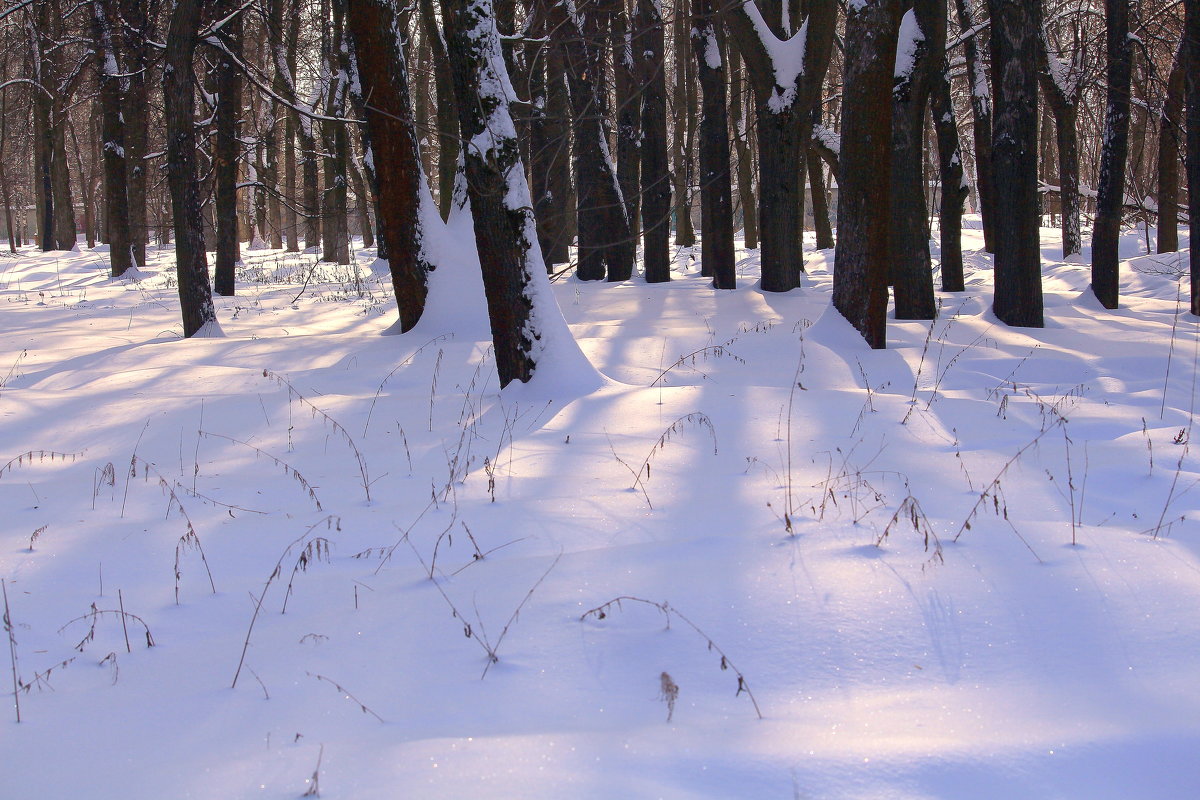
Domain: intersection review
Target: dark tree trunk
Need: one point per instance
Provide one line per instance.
(649, 49)
(784, 125)
(1192, 37)
(116, 200)
(505, 232)
(816, 182)
(682, 95)
(864, 170)
(1170, 137)
(1063, 101)
(981, 110)
(447, 119)
(605, 246)
(226, 150)
(1110, 191)
(911, 273)
(392, 148)
(716, 190)
(549, 143)
(195, 293)
(954, 187)
(629, 115)
(137, 17)
(1016, 29)
(335, 233)
(741, 146)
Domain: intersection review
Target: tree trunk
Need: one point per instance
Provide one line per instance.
(505, 232)
(138, 31)
(1016, 27)
(649, 49)
(1062, 84)
(862, 254)
(682, 93)
(981, 110)
(226, 150)
(335, 234)
(549, 143)
(195, 294)
(820, 199)
(605, 246)
(954, 187)
(391, 147)
(1191, 33)
(741, 146)
(1170, 137)
(716, 191)
(447, 119)
(920, 49)
(1110, 191)
(629, 115)
(116, 200)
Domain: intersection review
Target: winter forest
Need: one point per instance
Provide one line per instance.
(599, 398)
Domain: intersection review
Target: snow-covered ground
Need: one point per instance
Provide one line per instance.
(964, 566)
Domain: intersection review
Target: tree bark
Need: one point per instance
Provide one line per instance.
(682, 96)
(138, 28)
(116, 199)
(1110, 191)
(862, 253)
(741, 146)
(392, 149)
(716, 190)
(629, 114)
(1170, 137)
(954, 186)
(447, 119)
(981, 111)
(920, 50)
(195, 293)
(649, 49)
(1016, 28)
(1061, 86)
(1192, 37)
(226, 150)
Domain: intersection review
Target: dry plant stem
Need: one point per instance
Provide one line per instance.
(920, 367)
(124, 625)
(28, 457)
(1162, 409)
(94, 616)
(190, 538)
(329, 521)
(350, 697)
(437, 368)
(287, 468)
(396, 369)
(314, 783)
(601, 612)
(132, 467)
(12, 648)
(789, 510)
(910, 509)
(716, 350)
(293, 392)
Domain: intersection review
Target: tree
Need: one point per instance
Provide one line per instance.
(116, 199)
(191, 262)
(1110, 199)
(1170, 135)
(954, 185)
(1062, 84)
(864, 169)
(391, 147)
(1192, 37)
(981, 111)
(786, 67)
(920, 47)
(227, 146)
(1017, 273)
(649, 49)
(505, 232)
(716, 190)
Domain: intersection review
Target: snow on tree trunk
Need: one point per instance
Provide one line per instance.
(529, 334)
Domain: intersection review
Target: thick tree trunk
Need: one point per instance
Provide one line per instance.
(195, 293)
(864, 169)
(138, 31)
(392, 149)
(225, 152)
(1061, 86)
(682, 95)
(335, 234)
(920, 49)
(116, 200)
(1016, 27)
(649, 50)
(505, 232)
(716, 190)
(1110, 191)
(1170, 137)
(954, 187)
(549, 143)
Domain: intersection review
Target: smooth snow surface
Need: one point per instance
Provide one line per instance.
(891, 657)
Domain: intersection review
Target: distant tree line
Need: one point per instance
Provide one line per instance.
(581, 130)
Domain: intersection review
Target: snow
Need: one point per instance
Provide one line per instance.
(908, 41)
(1048, 650)
(787, 57)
